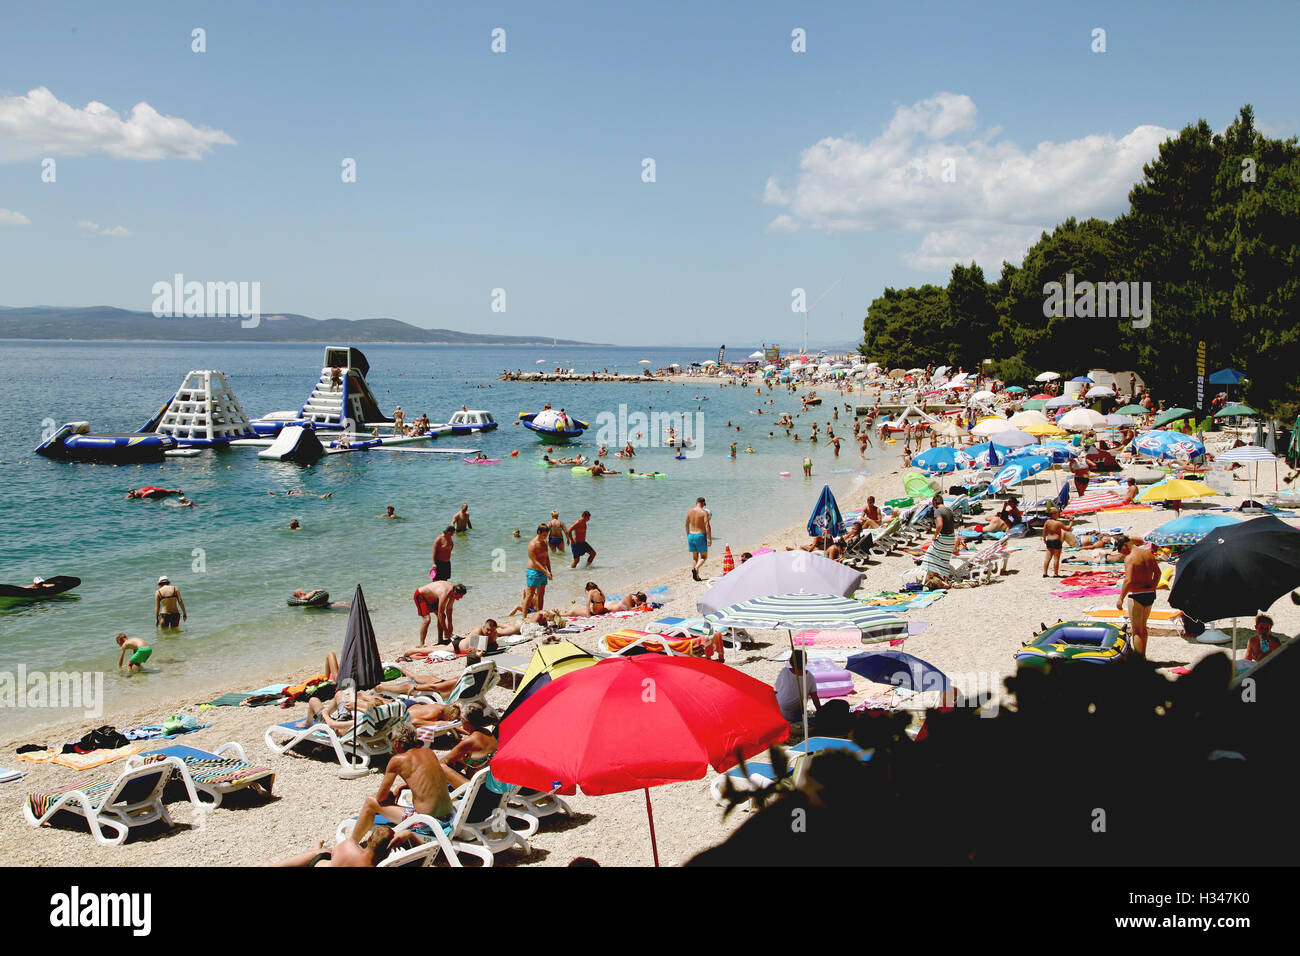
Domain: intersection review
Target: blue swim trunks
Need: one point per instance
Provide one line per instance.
(534, 578)
(697, 543)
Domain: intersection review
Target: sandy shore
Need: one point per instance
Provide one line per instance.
(973, 631)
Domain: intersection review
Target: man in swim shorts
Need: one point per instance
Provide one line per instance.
(415, 767)
(442, 548)
(437, 597)
(699, 535)
(140, 652)
(578, 540)
(460, 520)
(1141, 575)
(538, 571)
(168, 607)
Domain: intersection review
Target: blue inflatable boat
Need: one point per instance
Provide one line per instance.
(73, 442)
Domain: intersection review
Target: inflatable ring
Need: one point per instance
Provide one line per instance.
(900, 503)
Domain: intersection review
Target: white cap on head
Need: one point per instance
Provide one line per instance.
(38, 580)
(164, 580)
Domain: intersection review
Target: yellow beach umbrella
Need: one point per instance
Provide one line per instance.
(1048, 429)
(1176, 489)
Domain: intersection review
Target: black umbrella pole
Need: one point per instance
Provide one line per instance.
(654, 846)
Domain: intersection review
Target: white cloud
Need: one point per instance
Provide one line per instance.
(40, 124)
(972, 194)
(116, 232)
(9, 217)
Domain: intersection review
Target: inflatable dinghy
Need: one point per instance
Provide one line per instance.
(73, 442)
(1094, 641)
(11, 594)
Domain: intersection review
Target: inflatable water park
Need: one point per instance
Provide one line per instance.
(339, 415)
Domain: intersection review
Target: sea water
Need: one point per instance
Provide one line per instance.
(235, 561)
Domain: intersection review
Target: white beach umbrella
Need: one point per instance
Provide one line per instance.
(989, 426)
(645, 362)
(1030, 417)
(1082, 420)
(1047, 377)
(982, 396)
(756, 355)
(1101, 391)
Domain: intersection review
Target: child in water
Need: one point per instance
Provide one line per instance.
(140, 652)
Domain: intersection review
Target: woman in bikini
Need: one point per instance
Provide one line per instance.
(1053, 539)
(595, 603)
(475, 750)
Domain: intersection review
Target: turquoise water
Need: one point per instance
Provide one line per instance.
(233, 558)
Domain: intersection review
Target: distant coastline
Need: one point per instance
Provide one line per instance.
(108, 324)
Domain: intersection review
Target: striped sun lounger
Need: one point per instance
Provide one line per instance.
(213, 774)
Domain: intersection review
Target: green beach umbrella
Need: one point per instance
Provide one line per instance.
(1228, 411)
(1033, 405)
(1173, 415)
(1013, 388)
(1131, 410)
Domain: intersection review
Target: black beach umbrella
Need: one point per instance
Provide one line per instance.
(1237, 570)
(359, 661)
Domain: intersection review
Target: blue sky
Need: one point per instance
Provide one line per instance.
(522, 170)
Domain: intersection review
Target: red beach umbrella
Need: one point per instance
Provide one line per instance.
(631, 723)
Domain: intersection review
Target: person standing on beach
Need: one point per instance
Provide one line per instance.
(437, 597)
(1141, 575)
(1054, 540)
(460, 520)
(699, 536)
(168, 607)
(538, 571)
(556, 533)
(578, 540)
(140, 652)
(442, 547)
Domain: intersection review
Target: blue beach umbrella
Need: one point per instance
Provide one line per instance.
(941, 460)
(826, 519)
(1227, 376)
(901, 670)
(1188, 529)
(987, 453)
(1016, 472)
(1168, 445)
(1082, 378)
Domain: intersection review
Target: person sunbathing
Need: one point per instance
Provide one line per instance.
(595, 604)
(1006, 519)
(348, 705)
(1131, 492)
(630, 602)
(427, 715)
(835, 550)
(489, 629)
(358, 849)
(475, 750)
(408, 685)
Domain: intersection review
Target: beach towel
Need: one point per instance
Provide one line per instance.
(902, 601)
(233, 699)
(938, 557)
(42, 800)
(40, 756)
(1091, 591)
(828, 639)
(97, 758)
(1093, 578)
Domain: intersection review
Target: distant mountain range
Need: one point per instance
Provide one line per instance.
(104, 323)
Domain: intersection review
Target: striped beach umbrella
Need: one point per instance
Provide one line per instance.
(801, 612)
(1246, 453)
(1096, 501)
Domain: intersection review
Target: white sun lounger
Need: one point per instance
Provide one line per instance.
(355, 747)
